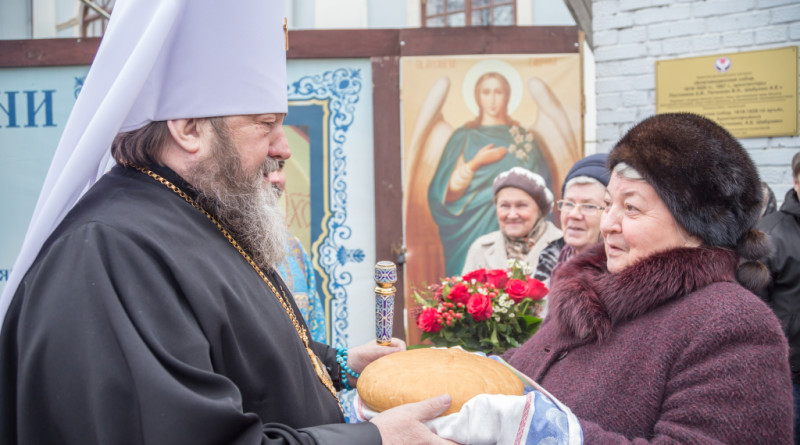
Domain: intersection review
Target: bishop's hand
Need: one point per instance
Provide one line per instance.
(404, 424)
(360, 356)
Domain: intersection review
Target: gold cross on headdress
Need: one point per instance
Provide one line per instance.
(286, 33)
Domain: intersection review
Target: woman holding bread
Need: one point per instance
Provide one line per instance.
(656, 335)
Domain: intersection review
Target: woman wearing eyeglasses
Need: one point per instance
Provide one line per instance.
(522, 202)
(581, 206)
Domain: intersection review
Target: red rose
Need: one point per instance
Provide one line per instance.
(478, 275)
(459, 294)
(536, 289)
(517, 290)
(429, 320)
(497, 278)
(480, 307)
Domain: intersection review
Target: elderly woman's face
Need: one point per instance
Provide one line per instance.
(581, 230)
(517, 212)
(636, 224)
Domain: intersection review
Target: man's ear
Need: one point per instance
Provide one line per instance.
(187, 134)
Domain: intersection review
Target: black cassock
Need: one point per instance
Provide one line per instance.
(140, 323)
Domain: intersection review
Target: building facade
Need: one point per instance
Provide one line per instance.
(630, 36)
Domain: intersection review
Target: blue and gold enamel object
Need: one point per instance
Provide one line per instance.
(385, 277)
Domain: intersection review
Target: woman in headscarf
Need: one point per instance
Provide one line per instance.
(522, 202)
(655, 336)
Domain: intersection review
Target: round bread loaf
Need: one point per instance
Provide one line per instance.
(418, 374)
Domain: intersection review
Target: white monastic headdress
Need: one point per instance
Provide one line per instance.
(159, 60)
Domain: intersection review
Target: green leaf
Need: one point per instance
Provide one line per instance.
(530, 320)
(494, 337)
(418, 298)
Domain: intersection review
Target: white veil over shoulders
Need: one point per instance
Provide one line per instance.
(159, 60)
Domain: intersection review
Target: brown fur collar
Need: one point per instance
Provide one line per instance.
(589, 300)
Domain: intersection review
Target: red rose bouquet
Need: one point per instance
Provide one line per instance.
(484, 310)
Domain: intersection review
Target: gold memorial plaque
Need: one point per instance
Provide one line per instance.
(752, 94)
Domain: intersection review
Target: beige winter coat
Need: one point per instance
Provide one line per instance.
(489, 251)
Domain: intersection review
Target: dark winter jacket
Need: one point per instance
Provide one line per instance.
(670, 350)
(783, 293)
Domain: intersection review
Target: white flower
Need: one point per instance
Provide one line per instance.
(529, 136)
(528, 147)
(526, 268)
(519, 139)
(521, 155)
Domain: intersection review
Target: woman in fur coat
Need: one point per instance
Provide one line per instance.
(656, 336)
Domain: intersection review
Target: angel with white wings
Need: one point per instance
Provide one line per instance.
(449, 199)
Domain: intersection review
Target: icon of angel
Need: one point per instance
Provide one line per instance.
(449, 198)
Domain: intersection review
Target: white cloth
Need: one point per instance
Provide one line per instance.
(532, 419)
(159, 60)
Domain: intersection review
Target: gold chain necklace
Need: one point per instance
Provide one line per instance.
(319, 368)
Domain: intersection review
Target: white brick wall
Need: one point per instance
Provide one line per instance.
(631, 35)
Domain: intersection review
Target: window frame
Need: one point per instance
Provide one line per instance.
(92, 23)
(467, 11)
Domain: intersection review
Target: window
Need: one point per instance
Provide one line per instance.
(93, 22)
(437, 13)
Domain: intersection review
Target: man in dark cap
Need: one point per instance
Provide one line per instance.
(783, 292)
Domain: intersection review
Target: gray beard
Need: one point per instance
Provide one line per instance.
(241, 202)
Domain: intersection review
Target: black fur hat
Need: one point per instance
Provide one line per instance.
(704, 176)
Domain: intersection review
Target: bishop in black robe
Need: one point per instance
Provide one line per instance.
(139, 322)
